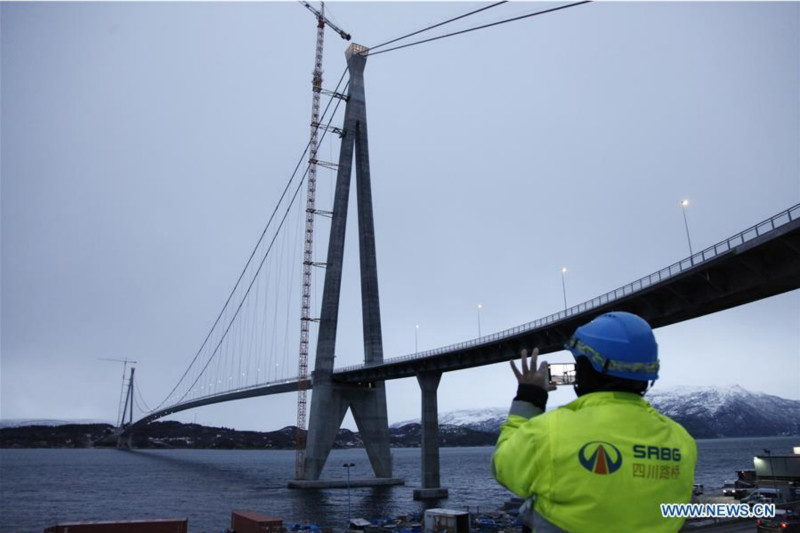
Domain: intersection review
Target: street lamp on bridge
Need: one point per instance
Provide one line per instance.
(564, 285)
(684, 203)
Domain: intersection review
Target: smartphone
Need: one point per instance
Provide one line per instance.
(561, 373)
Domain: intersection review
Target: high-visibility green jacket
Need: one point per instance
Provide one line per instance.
(601, 463)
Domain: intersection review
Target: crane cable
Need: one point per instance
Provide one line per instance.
(545, 11)
(255, 248)
(437, 25)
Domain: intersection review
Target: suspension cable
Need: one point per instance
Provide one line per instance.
(137, 391)
(437, 25)
(255, 248)
(545, 11)
(260, 266)
(138, 405)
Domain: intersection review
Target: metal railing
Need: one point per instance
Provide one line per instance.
(760, 229)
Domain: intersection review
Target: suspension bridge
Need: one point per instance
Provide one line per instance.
(254, 339)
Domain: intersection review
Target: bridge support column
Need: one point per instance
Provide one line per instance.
(429, 383)
(330, 400)
(369, 411)
(327, 413)
(329, 405)
(124, 441)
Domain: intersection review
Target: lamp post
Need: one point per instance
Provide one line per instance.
(684, 203)
(480, 306)
(564, 286)
(347, 466)
(416, 339)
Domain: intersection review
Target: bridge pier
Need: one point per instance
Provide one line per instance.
(327, 413)
(330, 404)
(124, 441)
(431, 489)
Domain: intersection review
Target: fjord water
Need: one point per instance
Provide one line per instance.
(41, 487)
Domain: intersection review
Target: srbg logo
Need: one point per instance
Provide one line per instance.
(600, 457)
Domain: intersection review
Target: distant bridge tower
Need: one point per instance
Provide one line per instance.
(124, 440)
(330, 401)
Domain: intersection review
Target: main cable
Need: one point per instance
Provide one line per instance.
(144, 403)
(543, 12)
(255, 248)
(437, 25)
(138, 405)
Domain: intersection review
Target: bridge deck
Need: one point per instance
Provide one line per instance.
(757, 263)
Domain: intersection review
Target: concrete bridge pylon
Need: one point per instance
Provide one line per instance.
(330, 400)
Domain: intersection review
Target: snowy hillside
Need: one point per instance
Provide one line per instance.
(21, 422)
(728, 411)
(706, 412)
(488, 419)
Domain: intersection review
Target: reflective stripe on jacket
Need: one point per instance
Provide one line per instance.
(601, 463)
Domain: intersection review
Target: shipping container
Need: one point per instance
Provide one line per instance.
(168, 525)
(253, 522)
(359, 523)
(446, 521)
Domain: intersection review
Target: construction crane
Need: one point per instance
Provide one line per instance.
(321, 21)
(125, 362)
(308, 252)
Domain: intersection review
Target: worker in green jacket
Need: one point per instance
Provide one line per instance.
(606, 461)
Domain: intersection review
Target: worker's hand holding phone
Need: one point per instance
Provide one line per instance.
(529, 374)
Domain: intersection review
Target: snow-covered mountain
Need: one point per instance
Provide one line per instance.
(488, 419)
(706, 412)
(21, 422)
(728, 411)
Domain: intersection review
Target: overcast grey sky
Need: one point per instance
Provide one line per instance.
(144, 146)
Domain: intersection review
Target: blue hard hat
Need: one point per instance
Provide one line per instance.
(618, 344)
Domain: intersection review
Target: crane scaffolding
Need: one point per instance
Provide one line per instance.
(308, 248)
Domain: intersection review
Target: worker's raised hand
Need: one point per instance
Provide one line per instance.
(529, 374)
